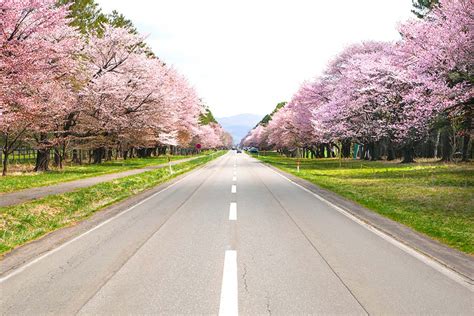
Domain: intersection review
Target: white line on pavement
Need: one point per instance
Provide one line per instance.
(409, 250)
(234, 178)
(229, 295)
(233, 211)
(234, 189)
(32, 262)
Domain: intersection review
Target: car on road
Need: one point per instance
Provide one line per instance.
(239, 151)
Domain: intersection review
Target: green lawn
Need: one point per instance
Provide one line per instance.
(24, 180)
(433, 198)
(28, 221)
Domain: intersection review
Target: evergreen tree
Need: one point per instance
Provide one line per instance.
(267, 118)
(86, 15)
(422, 7)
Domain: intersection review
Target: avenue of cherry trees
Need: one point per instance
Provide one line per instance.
(391, 99)
(62, 90)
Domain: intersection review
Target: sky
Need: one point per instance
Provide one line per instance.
(245, 56)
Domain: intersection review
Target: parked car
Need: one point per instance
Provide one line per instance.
(253, 150)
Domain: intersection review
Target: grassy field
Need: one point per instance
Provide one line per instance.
(23, 179)
(433, 198)
(28, 221)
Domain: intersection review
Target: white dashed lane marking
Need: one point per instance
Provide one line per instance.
(229, 295)
(233, 211)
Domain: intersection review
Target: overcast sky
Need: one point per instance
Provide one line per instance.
(245, 56)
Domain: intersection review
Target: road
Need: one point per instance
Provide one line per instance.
(233, 237)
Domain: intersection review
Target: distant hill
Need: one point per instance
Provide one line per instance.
(239, 125)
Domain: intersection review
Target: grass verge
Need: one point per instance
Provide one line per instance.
(433, 198)
(22, 223)
(24, 180)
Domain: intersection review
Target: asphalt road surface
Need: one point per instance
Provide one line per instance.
(233, 237)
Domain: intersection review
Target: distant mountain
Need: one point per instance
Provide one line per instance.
(239, 125)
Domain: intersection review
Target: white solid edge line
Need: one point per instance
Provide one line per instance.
(420, 256)
(233, 211)
(50, 252)
(229, 295)
(234, 188)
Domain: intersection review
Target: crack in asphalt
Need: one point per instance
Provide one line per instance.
(267, 304)
(312, 244)
(244, 278)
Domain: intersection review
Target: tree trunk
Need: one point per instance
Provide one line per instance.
(42, 159)
(125, 154)
(321, 151)
(98, 154)
(372, 148)
(435, 153)
(330, 151)
(346, 148)
(141, 152)
(447, 147)
(57, 159)
(5, 162)
(390, 151)
(43, 154)
(365, 152)
(408, 155)
(109, 155)
(467, 127)
(465, 147)
(75, 157)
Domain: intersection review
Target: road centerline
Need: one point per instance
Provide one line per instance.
(234, 188)
(233, 211)
(229, 290)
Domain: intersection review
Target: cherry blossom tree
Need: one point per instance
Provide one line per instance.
(130, 93)
(37, 63)
(213, 136)
(100, 90)
(257, 137)
(439, 48)
(391, 93)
